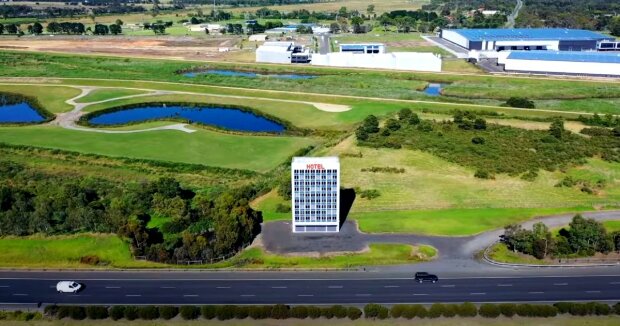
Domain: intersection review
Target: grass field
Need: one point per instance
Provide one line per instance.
(66, 251)
(201, 147)
(612, 226)
(108, 93)
(51, 97)
(499, 252)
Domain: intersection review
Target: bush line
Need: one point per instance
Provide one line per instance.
(280, 311)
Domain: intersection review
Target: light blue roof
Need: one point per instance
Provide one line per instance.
(530, 34)
(571, 56)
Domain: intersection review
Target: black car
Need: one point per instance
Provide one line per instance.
(421, 277)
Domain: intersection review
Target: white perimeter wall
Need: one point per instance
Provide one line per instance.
(594, 68)
(396, 60)
(277, 55)
(455, 37)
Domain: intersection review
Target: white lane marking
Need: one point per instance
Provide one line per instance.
(8, 286)
(278, 287)
(248, 295)
(305, 295)
(335, 287)
(614, 283)
(477, 293)
(391, 286)
(363, 295)
(51, 286)
(167, 287)
(504, 285)
(133, 295)
(448, 286)
(419, 294)
(20, 294)
(223, 287)
(593, 291)
(190, 295)
(112, 287)
(560, 284)
(536, 292)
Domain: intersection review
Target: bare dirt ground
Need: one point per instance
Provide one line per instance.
(152, 47)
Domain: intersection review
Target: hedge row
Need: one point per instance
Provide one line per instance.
(224, 312)
(371, 311)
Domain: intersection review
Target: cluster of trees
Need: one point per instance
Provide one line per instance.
(520, 102)
(113, 29)
(469, 140)
(407, 21)
(199, 227)
(586, 14)
(66, 28)
(608, 120)
(9, 29)
(583, 237)
(159, 27)
(21, 11)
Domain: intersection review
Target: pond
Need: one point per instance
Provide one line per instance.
(225, 118)
(433, 89)
(19, 113)
(234, 73)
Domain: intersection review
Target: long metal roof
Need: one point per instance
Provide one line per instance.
(569, 56)
(530, 34)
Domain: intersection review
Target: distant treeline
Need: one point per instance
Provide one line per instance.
(251, 3)
(21, 11)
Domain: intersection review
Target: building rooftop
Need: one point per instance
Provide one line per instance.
(569, 56)
(530, 34)
(310, 160)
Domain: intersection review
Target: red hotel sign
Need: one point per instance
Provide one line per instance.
(315, 167)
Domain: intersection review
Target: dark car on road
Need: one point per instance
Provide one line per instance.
(422, 277)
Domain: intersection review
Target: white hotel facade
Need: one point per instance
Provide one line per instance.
(315, 183)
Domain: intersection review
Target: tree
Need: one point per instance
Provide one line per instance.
(37, 28)
(1, 29)
(101, 30)
(480, 124)
(614, 26)
(586, 236)
(159, 29)
(370, 9)
(357, 23)
(392, 124)
(115, 29)
(371, 124)
(404, 114)
(11, 29)
(119, 22)
(557, 128)
(342, 12)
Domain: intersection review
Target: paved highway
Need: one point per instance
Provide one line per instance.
(341, 290)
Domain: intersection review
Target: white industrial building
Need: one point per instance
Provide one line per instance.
(282, 52)
(315, 183)
(561, 62)
(375, 56)
(212, 28)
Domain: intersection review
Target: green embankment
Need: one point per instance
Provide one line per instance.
(201, 147)
(108, 93)
(52, 98)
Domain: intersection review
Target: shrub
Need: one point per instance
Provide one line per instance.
(258, 312)
(601, 309)
(392, 124)
(617, 308)
(339, 311)
(450, 310)
(168, 312)
(62, 312)
(435, 311)
(90, 260)
(225, 312)
(520, 102)
(483, 174)
(354, 313)
(50, 310)
(467, 309)
(280, 311)
(397, 310)
(489, 311)
(563, 307)
(77, 313)
(189, 312)
(95, 312)
(148, 313)
(116, 312)
(208, 312)
(478, 140)
(283, 208)
(327, 313)
(414, 119)
(131, 313)
(373, 311)
(525, 310)
(405, 114)
(299, 312)
(416, 310)
(242, 312)
(314, 312)
(508, 309)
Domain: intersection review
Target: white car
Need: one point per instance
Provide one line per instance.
(68, 287)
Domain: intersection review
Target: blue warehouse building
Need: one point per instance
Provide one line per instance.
(525, 39)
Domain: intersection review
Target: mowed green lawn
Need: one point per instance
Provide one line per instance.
(66, 251)
(108, 93)
(52, 98)
(451, 222)
(258, 153)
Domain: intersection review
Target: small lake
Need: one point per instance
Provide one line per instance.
(226, 118)
(19, 113)
(234, 73)
(433, 89)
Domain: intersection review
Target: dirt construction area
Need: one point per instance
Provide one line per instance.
(189, 48)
